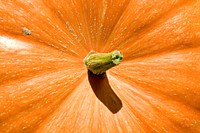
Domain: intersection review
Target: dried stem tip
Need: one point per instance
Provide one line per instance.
(98, 63)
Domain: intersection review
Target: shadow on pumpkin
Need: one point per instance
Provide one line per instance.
(104, 92)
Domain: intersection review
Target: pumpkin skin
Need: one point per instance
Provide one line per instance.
(43, 80)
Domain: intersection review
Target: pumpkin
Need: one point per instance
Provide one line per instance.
(45, 85)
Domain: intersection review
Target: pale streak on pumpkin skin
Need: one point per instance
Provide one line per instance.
(87, 113)
(18, 80)
(170, 66)
(22, 54)
(59, 37)
(155, 102)
(174, 26)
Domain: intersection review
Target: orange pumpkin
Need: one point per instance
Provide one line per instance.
(44, 83)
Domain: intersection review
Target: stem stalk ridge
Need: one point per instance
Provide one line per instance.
(99, 63)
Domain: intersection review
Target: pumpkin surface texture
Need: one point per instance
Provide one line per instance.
(45, 86)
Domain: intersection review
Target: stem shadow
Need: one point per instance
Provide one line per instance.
(103, 91)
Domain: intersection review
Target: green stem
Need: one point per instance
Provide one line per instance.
(98, 63)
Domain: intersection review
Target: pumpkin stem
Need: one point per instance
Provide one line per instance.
(98, 63)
